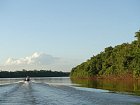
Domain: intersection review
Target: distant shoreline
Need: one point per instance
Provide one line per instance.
(33, 73)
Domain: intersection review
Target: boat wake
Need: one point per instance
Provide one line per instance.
(38, 93)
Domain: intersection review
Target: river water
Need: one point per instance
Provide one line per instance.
(58, 91)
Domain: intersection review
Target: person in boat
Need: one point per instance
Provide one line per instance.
(27, 78)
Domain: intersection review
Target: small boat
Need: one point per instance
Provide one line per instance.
(27, 79)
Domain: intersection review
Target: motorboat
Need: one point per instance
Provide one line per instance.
(27, 79)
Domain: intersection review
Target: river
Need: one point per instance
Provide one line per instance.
(58, 91)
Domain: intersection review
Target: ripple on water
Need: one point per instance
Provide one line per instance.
(60, 94)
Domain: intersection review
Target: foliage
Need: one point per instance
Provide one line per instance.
(122, 59)
(35, 73)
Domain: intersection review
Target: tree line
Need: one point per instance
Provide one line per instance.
(119, 60)
(33, 73)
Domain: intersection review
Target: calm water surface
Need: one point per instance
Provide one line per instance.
(63, 91)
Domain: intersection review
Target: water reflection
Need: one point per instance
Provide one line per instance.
(56, 91)
(131, 86)
(9, 80)
(53, 80)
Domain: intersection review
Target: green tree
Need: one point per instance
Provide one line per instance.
(121, 59)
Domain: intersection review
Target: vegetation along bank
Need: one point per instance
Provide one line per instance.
(120, 61)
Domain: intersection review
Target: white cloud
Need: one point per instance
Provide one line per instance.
(35, 58)
(39, 61)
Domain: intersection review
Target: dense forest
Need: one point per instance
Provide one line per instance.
(121, 60)
(34, 73)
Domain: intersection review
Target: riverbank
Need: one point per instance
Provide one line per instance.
(125, 76)
(33, 73)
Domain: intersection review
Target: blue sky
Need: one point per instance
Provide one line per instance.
(71, 30)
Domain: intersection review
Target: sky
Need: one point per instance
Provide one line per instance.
(60, 34)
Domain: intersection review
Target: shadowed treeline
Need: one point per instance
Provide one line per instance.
(33, 73)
